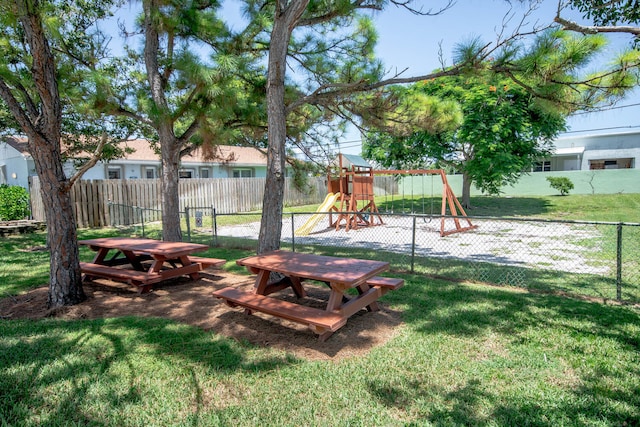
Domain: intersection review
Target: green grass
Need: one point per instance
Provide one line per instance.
(601, 207)
(24, 263)
(466, 355)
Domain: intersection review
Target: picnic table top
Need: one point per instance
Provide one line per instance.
(347, 271)
(150, 246)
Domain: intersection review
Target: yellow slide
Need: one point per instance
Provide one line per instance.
(326, 206)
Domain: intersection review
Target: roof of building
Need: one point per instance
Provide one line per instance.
(220, 154)
(17, 142)
(143, 151)
(568, 151)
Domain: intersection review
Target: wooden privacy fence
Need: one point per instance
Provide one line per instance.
(226, 195)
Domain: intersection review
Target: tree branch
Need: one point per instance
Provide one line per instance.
(14, 106)
(95, 157)
(595, 29)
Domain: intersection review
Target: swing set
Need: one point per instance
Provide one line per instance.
(353, 188)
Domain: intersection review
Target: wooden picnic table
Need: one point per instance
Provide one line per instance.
(340, 274)
(143, 262)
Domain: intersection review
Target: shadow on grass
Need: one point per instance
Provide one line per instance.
(594, 286)
(550, 360)
(74, 372)
(498, 207)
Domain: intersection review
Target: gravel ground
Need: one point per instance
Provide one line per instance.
(542, 245)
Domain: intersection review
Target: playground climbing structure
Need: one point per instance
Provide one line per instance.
(351, 187)
(456, 213)
(357, 199)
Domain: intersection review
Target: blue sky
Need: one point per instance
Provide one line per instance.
(412, 42)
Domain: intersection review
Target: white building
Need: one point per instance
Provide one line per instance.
(17, 165)
(593, 152)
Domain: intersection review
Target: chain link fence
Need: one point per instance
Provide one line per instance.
(592, 259)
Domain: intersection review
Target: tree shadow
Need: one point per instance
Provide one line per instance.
(61, 369)
(498, 207)
(436, 309)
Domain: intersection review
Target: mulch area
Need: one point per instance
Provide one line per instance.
(191, 302)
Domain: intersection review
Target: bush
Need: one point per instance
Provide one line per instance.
(14, 202)
(560, 183)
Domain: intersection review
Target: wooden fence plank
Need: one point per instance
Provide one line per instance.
(103, 203)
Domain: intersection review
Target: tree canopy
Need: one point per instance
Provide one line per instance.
(502, 132)
(45, 46)
(618, 16)
(511, 112)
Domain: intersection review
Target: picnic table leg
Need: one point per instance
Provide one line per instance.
(133, 260)
(144, 288)
(262, 280)
(363, 289)
(324, 336)
(296, 285)
(100, 256)
(335, 298)
(185, 261)
(263, 287)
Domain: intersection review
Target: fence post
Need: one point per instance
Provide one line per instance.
(293, 233)
(142, 220)
(619, 263)
(214, 226)
(413, 244)
(186, 213)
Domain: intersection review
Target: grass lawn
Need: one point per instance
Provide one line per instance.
(601, 207)
(466, 355)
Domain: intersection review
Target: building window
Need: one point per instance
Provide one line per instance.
(150, 173)
(3, 174)
(611, 164)
(114, 172)
(185, 173)
(243, 173)
(204, 172)
(544, 166)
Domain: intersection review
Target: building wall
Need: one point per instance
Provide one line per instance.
(585, 182)
(14, 165)
(598, 147)
(137, 170)
(534, 184)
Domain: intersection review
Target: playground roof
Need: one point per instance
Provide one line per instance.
(353, 160)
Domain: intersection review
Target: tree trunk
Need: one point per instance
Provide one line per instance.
(169, 145)
(466, 191)
(286, 17)
(170, 191)
(65, 278)
(41, 122)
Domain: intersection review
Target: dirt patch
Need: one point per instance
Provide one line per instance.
(191, 302)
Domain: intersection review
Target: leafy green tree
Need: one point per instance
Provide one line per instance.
(621, 16)
(503, 131)
(560, 183)
(191, 85)
(511, 112)
(14, 202)
(43, 44)
(330, 45)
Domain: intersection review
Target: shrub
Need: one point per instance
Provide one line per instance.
(14, 202)
(560, 183)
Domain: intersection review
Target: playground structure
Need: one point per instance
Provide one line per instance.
(353, 188)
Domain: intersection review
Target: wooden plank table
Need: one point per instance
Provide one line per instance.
(125, 259)
(340, 274)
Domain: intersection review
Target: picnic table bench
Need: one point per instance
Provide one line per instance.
(144, 262)
(339, 273)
